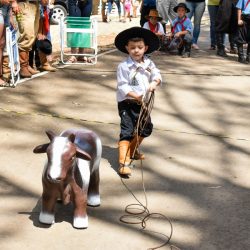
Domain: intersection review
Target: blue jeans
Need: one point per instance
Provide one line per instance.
(76, 10)
(117, 2)
(5, 15)
(196, 9)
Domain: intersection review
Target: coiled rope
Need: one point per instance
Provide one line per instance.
(138, 213)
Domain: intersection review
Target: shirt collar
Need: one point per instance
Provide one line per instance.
(131, 63)
(179, 19)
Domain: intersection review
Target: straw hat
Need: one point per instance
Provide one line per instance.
(150, 39)
(153, 13)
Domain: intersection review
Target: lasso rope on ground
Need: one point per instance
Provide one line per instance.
(137, 212)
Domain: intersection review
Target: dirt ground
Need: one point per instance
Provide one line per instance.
(196, 171)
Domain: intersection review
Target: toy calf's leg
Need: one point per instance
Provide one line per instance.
(47, 215)
(80, 201)
(93, 192)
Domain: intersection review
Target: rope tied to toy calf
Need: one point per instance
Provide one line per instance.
(138, 213)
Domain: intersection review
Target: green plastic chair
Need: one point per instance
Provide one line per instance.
(78, 32)
(77, 39)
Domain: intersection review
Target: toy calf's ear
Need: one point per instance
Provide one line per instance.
(41, 148)
(50, 134)
(82, 154)
(71, 137)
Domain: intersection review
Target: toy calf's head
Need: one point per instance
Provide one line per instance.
(62, 154)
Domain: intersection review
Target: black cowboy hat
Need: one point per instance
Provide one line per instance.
(183, 5)
(44, 46)
(150, 39)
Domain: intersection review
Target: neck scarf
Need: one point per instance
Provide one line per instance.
(153, 28)
(44, 14)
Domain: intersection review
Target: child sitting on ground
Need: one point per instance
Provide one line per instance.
(154, 24)
(136, 76)
(182, 29)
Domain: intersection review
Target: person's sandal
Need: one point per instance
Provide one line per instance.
(4, 83)
(72, 59)
(85, 59)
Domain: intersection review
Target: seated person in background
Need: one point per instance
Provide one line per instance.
(182, 29)
(154, 24)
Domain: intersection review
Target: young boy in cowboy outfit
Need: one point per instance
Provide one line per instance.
(136, 75)
(243, 34)
(155, 25)
(182, 28)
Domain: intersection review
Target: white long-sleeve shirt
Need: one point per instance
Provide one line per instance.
(134, 76)
(159, 27)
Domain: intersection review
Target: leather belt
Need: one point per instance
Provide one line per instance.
(131, 101)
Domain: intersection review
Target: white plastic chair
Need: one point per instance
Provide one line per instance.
(12, 52)
(78, 32)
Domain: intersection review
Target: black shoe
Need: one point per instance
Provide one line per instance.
(180, 51)
(221, 52)
(186, 55)
(233, 51)
(248, 59)
(241, 59)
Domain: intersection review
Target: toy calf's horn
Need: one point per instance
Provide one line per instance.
(41, 148)
(50, 134)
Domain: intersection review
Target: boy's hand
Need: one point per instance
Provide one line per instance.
(240, 22)
(139, 98)
(152, 86)
(40, 36)
(177, 34)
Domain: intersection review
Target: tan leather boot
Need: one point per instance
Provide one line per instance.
(24, 62)
(124, 158)
(45, 66)
(33, 71)
(134, 153)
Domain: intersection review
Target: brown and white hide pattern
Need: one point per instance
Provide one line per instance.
(71, 173)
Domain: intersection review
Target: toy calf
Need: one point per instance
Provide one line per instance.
(71, 173)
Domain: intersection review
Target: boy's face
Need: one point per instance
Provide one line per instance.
(136, 50)
(181, 12)
(153, 20)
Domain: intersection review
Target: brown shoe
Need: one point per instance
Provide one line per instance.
(138, 156)
(24, 57)
(33, 71)
(124, 170)
(47, 67)
(24, 72)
